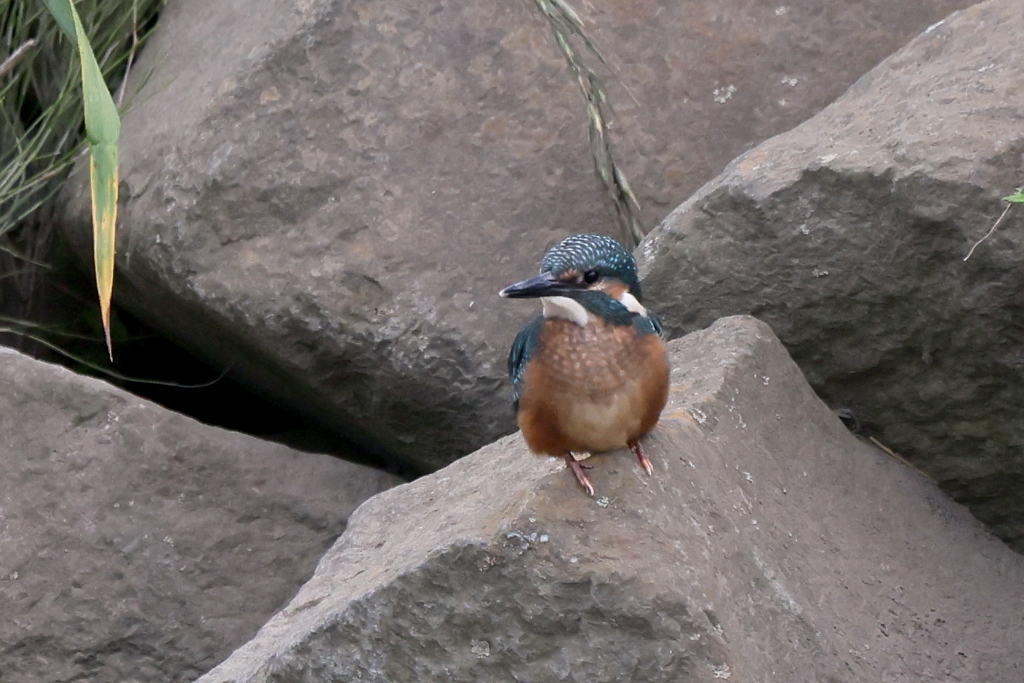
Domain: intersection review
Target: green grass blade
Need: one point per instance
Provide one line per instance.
(62, 14)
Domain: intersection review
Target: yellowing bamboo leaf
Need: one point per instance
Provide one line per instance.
(102, 130)
(103, 180)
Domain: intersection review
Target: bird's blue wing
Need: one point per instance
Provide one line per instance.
(648, 324)
(522, 348)
(659, 329)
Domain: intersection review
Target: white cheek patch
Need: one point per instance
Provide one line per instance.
(631, 304)
(564, 307)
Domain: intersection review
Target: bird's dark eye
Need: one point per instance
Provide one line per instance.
(590, 277)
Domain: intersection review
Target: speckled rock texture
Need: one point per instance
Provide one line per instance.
(848, 235)
(137, 545)
(326, 196)
(770, 545)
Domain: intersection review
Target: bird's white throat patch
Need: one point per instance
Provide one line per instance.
(570, 309)
(631, 304)
(564, 307)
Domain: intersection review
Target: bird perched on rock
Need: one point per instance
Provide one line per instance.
(590, 374)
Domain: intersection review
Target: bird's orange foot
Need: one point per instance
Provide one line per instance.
(577, 469)
(645, 462)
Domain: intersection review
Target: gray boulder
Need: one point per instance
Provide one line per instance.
(140, 545)
(848, 235)
(327, 196)
(770, 545)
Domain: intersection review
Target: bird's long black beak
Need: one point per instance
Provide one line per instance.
(544, 284)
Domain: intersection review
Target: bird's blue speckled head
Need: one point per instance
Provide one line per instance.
(583, 253)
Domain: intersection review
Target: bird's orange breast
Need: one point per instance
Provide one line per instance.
(592, 388)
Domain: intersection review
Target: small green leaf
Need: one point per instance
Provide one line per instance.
(1017, 197)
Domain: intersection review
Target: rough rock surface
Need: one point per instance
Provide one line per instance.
(140, 545)
(770, 545)
(848, 236)
(329, 199)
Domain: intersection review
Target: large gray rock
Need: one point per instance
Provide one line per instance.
(328, 200)
(848, 235)
(140, 545)
(770, 545)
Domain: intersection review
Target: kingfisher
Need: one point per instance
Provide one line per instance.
(591, 373)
